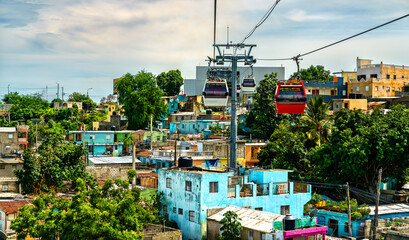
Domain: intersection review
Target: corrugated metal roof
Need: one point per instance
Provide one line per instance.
(390, 209)
(113, 160)
(8, 129)
(251, 219)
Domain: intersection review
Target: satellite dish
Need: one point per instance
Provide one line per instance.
(313, 213)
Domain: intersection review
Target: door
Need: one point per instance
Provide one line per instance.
(333, 225)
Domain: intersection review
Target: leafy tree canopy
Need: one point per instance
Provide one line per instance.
(231, 226)
(87, 103)
(107, 212)
(314, 73)
(141, 98)
(263, 117)
(56, 161)
(170, 82)
(25, 106)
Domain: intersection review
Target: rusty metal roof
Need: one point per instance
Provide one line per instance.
(252, 219)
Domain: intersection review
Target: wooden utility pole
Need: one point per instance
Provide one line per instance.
(349, 211)
(133, 163)
(83, 144)
(151, 133)
(36, 137)
(378, 193)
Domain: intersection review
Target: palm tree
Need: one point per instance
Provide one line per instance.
(316, 122)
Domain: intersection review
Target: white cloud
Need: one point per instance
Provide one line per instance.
(299, 15)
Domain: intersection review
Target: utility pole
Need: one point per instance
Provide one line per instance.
(83, 144)
(214, 29)
(133, 162)
(378, 193)
(36, 137)
(8, 89)
(58, 94)
(349, 211)
(234, 58)
(151, 133)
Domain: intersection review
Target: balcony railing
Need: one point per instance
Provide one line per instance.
(301, 187)
(263, 189)
(22, 140)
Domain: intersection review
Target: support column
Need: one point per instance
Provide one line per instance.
(233, 125)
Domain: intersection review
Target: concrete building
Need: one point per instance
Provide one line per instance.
(194, 87)
(9, 181)
(143, 137)
(329, 90)
(8, 211)
(338, 104)
(378, 80)
(261, 225)
(251, 151)
(13, 140)
(190, 194)
(67, 104)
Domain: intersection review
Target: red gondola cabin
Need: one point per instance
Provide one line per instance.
(290, 98)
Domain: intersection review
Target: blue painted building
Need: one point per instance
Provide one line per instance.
(100, 142)
(189, 193)
(198, 126)
(335, 89)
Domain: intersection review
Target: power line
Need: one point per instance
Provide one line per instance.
(262, 20)
(332, 44)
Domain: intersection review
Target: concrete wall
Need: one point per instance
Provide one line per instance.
(338, 104)
(109, 172)
(396, 235)
(200, 199)
(8, 145)
(158, 232)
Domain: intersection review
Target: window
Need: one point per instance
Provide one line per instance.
(393, 89)
(285, 210)
(2, 166)
(333, 92)
(388, 89)
(188, 186)
(10, 135)
(183, 125)
(165, 209)
(92, 136)
(158, 138)
(116, 147)
(376, 88)
(108, 136)
(180, 211)
(367, 88)
(374, 75)
(352, 89)
(315, 92)
(403, 77)
(398, 89)
(388, 76)
(213, 187)
(250, 235)
(174, 209)
(78, 137)
(5, 187)
(163, 165)
(191, 216)
(346, 227)
(204, 165)
(357, 89)
(194, 126)
(168, 183)
(8, 148)
(258, 208)
(394, 77)
(263, 236)
(344, 92)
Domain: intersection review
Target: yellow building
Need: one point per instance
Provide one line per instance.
(378, 80)
(338, 104)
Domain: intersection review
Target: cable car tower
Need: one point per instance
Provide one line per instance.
(234, 59)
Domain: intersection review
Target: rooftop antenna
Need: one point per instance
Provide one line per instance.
(227, 37)
(214, 29)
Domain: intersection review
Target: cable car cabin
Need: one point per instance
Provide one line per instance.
(215, 93)
(249, 84)
(290, 98)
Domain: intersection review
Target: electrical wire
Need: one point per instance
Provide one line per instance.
(262, 20)
(332, 44)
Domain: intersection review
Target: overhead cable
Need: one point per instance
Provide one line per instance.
(332, 44)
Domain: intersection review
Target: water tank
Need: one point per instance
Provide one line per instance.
(185, 162)
(352, 95)
(359, 96)
(208, 111)
(288, 223)
(113, 128)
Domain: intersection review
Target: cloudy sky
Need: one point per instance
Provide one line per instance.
(85, 44)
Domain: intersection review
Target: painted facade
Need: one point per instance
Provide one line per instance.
(252, 149)
(190, 192)
(144, 136)
(329, 90)
(378, 80)
(338, 104)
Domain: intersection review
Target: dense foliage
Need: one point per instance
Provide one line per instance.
(263, 118)
(314, 73)
(231, 226)
(170, 82)
(87, 103)
(25, 106)
(55, 162)
(141, 98)
(108, 212)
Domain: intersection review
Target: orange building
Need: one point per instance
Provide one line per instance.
(378, 80)
(251, 151)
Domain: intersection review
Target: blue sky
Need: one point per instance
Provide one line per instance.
(85, 44)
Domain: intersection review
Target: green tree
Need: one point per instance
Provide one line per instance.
(314, 73)
(12, 98)
(87, 103)
(141, 98)
(170, 82)
(316, 122)
(55, 162)
(263, 117)
(111, 211)
(360, 144)
(26, 106)
(231, 226)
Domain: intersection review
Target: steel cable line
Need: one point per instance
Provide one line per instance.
(332, 44)
(262, 20)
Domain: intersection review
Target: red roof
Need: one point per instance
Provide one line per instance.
(13, 206)
(144, 154)
(140, 132)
